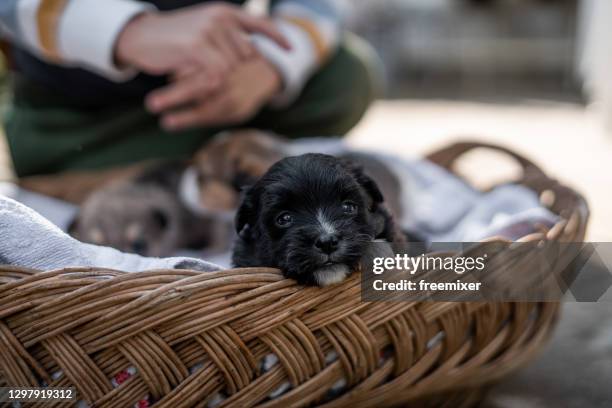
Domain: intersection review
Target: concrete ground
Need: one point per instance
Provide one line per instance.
(566, 140)
(575, 370)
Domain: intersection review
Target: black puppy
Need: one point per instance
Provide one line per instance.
(313, 216)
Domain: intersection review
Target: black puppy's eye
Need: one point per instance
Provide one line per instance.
(284, 220)
(349, 207)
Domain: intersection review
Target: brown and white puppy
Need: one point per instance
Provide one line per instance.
(236, 159)
(229, 162)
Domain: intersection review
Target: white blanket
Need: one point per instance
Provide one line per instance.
(28, 239)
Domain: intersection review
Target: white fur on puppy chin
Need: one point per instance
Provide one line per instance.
(331, 275)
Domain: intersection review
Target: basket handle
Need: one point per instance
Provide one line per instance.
(447, 156)
(567, 202)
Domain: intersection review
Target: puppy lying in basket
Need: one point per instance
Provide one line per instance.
(145, 215)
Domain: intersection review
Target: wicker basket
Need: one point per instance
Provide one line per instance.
(165, 322)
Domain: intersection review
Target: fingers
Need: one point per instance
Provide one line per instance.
(184, 119)
(223, 49)
(264, 26)
(212, 60)
(221, 40)
(184, 91)
(207, 113)
(254, 24)
(241, 43)
(185, 71)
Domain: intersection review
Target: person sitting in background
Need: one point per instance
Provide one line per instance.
(105, 83)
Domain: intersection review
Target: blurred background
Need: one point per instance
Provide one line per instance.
(495, 50)
(534, 75)
(530, 74)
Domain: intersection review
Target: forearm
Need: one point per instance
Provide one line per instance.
(313, 28)
(70, 32)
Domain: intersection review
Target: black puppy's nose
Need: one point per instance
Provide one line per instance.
(327, 243)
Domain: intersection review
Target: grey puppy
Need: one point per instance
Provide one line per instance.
(144, 215)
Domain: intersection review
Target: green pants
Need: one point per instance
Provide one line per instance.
(45, 137)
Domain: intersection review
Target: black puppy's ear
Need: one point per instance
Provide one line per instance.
(365, 181)
(242, 179)
(246, 215)
(371, 188)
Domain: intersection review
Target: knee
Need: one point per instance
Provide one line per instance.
(335, 98)
(358, 82)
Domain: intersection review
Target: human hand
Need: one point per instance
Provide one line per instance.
(245, 90)
(212, 38)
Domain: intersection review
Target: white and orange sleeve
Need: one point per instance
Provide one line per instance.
(313, 28)
(71, 32)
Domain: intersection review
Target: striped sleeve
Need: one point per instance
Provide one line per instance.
(71, 32)
(313, 28)
(8, 18)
